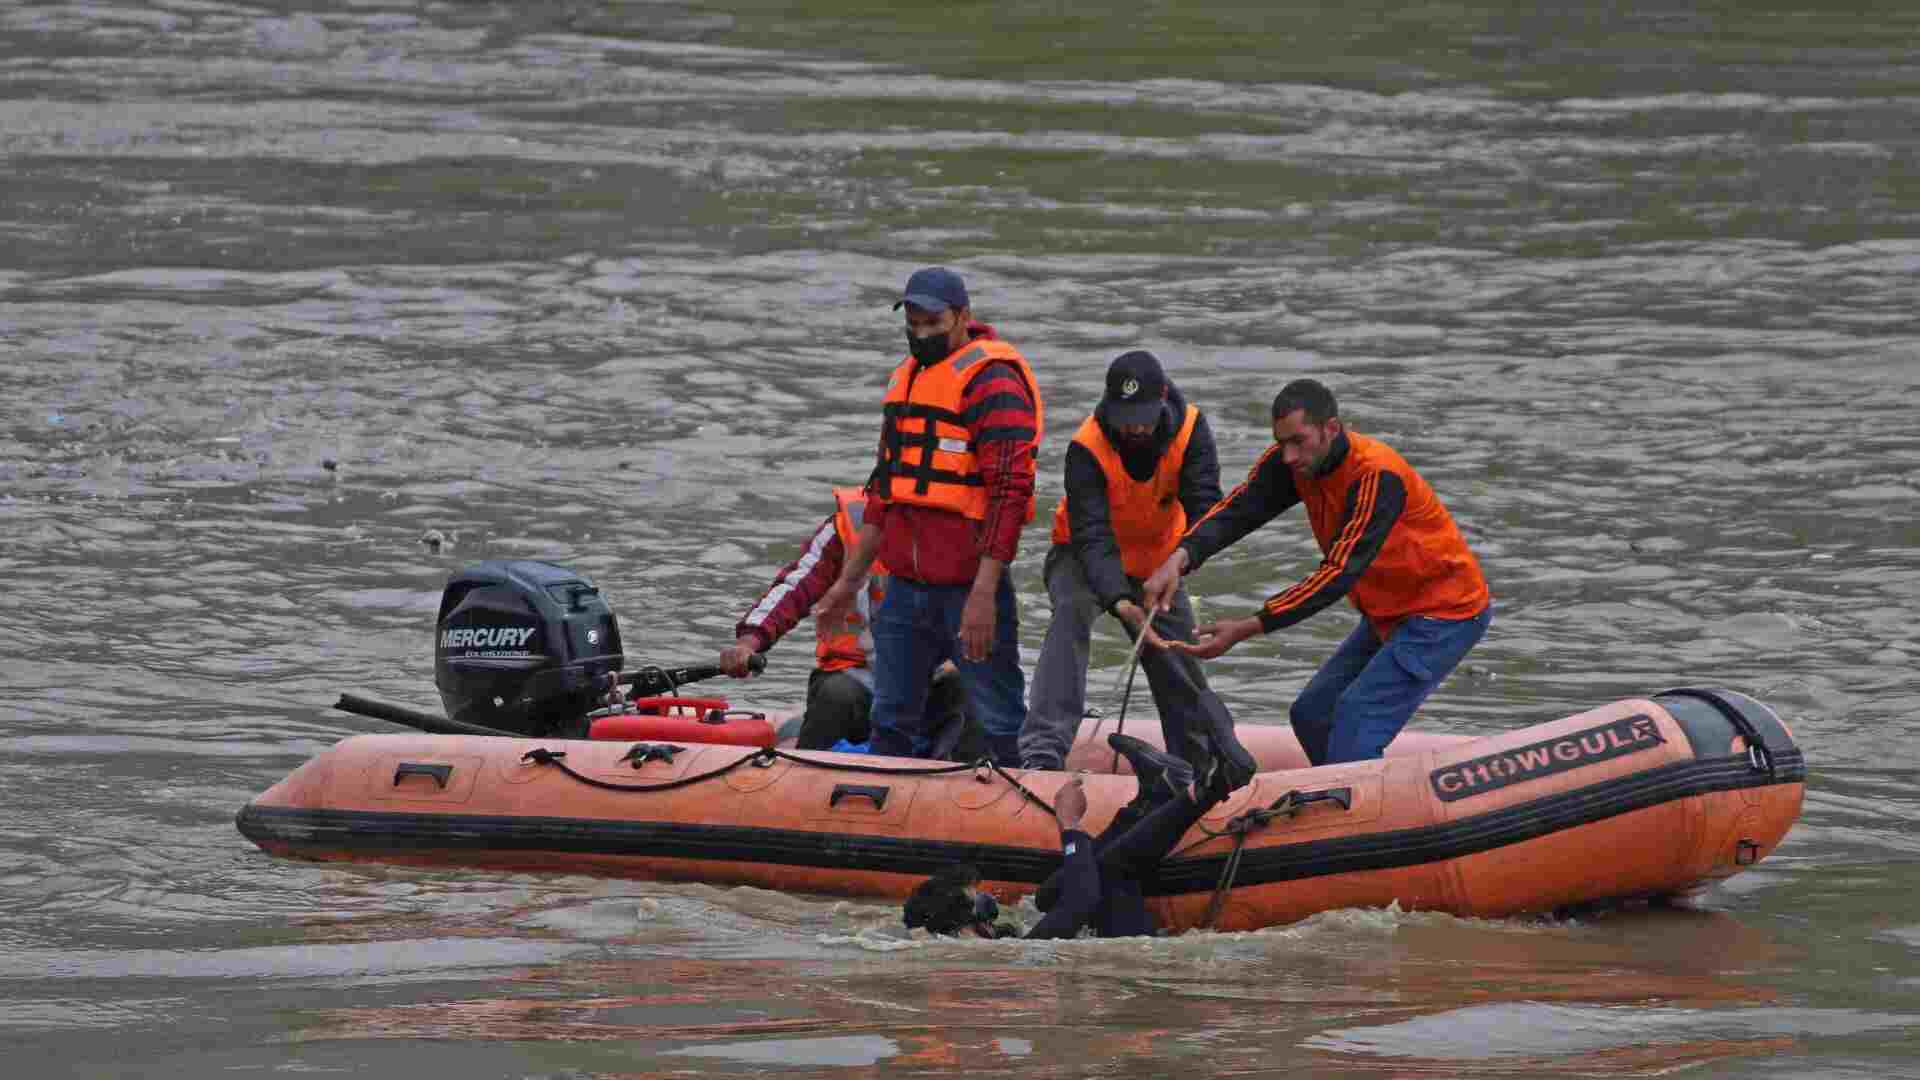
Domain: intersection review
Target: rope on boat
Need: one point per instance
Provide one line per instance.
(1132, 667)
(1242, 826)
(766, 757)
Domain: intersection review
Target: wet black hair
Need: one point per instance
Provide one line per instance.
(941, 903)
(1310, 395)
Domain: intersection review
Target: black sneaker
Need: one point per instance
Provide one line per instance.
(1237, 766)
(1162, 776)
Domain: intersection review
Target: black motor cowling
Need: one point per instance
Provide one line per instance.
(524, 646)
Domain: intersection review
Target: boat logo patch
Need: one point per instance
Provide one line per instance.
(1619, 738)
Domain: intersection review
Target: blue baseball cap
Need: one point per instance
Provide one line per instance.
(934, 289)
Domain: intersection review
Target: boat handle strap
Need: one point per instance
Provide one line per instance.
(440, 773)
(1759, 754)
(848, 791)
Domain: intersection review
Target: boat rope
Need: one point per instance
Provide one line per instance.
(765, 758)
(1133, 665)
(1241, 826)
(1225, 885)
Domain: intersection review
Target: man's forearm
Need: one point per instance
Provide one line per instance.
(866, 546)
(987, 578)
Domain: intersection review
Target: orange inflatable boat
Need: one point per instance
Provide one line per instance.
(1643, 797)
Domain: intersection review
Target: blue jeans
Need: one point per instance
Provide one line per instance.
(1368, 690)
(915, 630)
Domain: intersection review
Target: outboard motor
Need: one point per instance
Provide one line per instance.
(524, 646)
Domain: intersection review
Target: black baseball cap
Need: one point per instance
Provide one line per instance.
(1136, 389)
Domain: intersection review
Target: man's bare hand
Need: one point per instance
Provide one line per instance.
(1070, 805)
(976, 625)
(1164, 582)
(735, 657)
(1218, 637)
(1131, 614)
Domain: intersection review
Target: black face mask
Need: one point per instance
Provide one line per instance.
(930, 349)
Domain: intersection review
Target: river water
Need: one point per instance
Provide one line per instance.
(290, 289)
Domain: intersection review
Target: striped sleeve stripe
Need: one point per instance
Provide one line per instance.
(1002, 395)
(784, 587)
(1001, 528)
(1236, 492)
(1362, 514)
(1022, 435)
(1336, 560)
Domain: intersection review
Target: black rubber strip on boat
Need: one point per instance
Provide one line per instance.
(374, 832)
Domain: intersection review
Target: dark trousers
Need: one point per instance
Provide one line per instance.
(1188, 707)
(1101, 880)
(915, 630)
(839, 706)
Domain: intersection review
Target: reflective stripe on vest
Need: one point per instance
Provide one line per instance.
(926, 452)
(1147, 516)
(851, 645)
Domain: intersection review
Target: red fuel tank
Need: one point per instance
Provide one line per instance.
(692, 720)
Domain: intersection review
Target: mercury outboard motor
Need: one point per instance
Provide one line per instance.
(524, 646)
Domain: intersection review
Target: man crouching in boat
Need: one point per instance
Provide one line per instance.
(840, 688)
(1099, 883)
(1388, 545)
(1141, 465)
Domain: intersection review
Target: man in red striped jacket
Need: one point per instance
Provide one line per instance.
(961, 422)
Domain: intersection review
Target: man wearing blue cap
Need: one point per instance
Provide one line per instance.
(953, 486)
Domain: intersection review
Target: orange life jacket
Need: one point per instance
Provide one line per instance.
(926, 454)
(1425, 566)
(850, 644)
(1148, 517)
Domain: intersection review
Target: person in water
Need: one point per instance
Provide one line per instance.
(1099, 883)
(1388, 545)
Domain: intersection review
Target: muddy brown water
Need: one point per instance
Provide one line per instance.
(607, 283)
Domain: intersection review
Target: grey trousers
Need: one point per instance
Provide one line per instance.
(1057, 696)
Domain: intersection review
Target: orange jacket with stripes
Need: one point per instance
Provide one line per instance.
(1388, 543)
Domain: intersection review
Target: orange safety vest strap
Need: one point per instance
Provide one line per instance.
(927, 455)
(924, 474)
